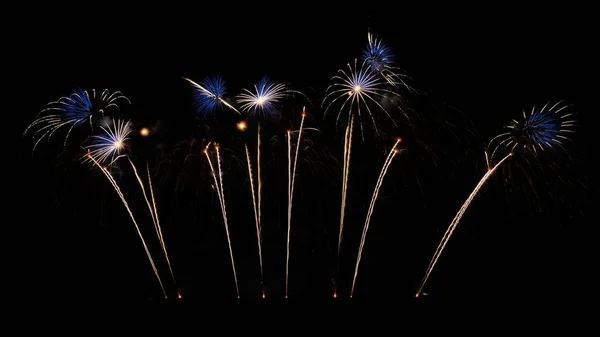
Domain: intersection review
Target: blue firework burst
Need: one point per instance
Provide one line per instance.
(209, 95)
(208, 100)
(544, 128)
(72, 111)
(378, 56)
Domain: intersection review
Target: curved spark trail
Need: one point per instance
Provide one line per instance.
(118, 190)
(456, 220)
(291, 176)
(345, 173)
(219, 188)
(258, 236)
(386, 164)
(153, 213)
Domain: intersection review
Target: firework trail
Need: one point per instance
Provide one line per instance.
(258, 177)
(456, 220)
(543, 129)
(118, 190)
(242, 126)
(72, 111)
(345, 173)
(262, 102)
(153, 211)
(109, 147)
(219, 188)
(291, 176)
(258, 236)
(159, 230)
(384, 169)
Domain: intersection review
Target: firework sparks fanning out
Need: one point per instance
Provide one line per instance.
(210, 94)
(379, 57)
(386, 164)
(219, 188)
(264, 99)
(291, 176)
(364, 99)
(111, 145)
(72, 111)
(358, 88)
(543, 129)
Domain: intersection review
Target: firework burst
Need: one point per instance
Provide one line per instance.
(209, 95)
(380, 59)
(360, 90)
(264, 100)
(543, 129)
(110, 145)
(72, 111)
(103, 152)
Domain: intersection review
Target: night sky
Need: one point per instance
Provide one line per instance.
(529, 234)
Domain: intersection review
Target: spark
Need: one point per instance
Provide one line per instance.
(386, 164)
(456, 220)
(72, 111)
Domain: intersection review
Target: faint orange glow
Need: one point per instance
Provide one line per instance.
(417, 295)
(334, 295)
(144, 132)
(242, 125)
(179, 295)
(263, 294)
(289, 131)
(399, 139)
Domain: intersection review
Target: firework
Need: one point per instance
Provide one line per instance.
(291, 176)
(264, 99)
(345, 173)
(220, 193)
(108, 148)
(209, 94)
(110, 145)
(380, 59)
(72, 111)
(360, 90)
(384, 169)
(544, 129)
(153, 212)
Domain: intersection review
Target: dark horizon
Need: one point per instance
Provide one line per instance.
(525, 236)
